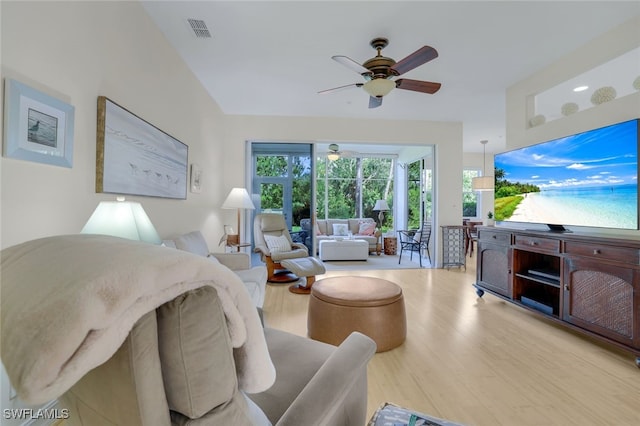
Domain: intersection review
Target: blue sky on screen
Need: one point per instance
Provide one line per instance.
(601, 157)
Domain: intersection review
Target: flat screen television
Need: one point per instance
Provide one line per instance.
(588, 179)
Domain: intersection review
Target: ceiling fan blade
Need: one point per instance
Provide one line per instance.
(417, 58)
(417, 85)
(339, 88)
(375, 102)
(351, 64)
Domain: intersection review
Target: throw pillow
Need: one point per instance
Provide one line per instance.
(340, 229)
(367, 228)
(277, 243)
(195, 353)
(417, 237)
(318, 231)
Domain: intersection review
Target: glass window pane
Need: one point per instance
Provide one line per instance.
(469, 197)
(272, 197)
(301, 188)
(271, 165)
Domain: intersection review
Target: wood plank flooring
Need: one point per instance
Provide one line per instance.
(484, 361)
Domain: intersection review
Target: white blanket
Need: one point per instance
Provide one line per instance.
(69, 302)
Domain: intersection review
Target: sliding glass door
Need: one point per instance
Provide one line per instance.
(282, 180)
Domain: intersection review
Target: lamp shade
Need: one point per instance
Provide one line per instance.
(238, 198)
(381, 206)
(483, 183)
(123, 219)
(379, 87)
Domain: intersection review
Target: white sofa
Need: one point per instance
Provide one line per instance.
(254, 278)
(325, 228)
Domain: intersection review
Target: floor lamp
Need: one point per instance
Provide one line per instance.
(239, 199)
(381, 207)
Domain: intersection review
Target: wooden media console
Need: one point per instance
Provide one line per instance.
(588, 283)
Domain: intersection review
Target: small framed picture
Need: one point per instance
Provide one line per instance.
(196, 178)
(38, 127)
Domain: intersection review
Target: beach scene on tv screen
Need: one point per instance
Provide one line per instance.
(588, 179)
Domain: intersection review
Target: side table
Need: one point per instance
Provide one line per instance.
(390, 245)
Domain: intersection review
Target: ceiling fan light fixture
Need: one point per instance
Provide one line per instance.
(333, 154)
(379, 87)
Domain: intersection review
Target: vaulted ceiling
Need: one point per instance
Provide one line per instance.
(271, 58)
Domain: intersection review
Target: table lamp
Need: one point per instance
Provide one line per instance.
(123, 219)
(239, 199)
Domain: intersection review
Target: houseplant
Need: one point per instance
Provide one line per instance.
(489, 220)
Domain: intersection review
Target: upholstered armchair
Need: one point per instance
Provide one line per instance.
(176, 367)
(253, 277)
(137, 334)
(273, 241)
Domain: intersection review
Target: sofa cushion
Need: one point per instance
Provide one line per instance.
(340, 229)
(367, 228)
(193, 242)
(277, 243)
(195, 353)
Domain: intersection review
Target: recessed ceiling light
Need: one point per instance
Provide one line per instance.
(580, 88)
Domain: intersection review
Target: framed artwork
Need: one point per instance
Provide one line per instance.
(136, 158)
(38, 127)
(196, 178)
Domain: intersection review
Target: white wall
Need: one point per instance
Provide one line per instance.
(77, 51)
(447, 138)
(599, 50)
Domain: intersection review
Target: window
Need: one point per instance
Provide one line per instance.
(349, 187)
(282, 178)
(469, 197)
(419, 193)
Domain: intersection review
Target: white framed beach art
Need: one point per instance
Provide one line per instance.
(136, 158)
(37, 127)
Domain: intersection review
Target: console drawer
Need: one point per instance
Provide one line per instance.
(536, 243)
(494, 237)
(618, 254)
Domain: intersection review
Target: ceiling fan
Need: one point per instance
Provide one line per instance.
(334, 153)
(379, 70)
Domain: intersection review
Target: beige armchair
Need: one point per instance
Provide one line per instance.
(254, 278)
(273, 241)
(176, 367)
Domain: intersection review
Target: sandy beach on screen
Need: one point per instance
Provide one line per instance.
(533, 208)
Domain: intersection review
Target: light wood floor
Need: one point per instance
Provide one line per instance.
(484, 361)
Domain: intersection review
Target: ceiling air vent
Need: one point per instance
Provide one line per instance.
(199, 28)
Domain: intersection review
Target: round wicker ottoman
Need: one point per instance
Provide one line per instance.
(372, 306)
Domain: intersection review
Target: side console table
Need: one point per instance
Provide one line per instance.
(588, 283)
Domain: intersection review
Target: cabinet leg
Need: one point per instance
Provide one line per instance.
(480, 292)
